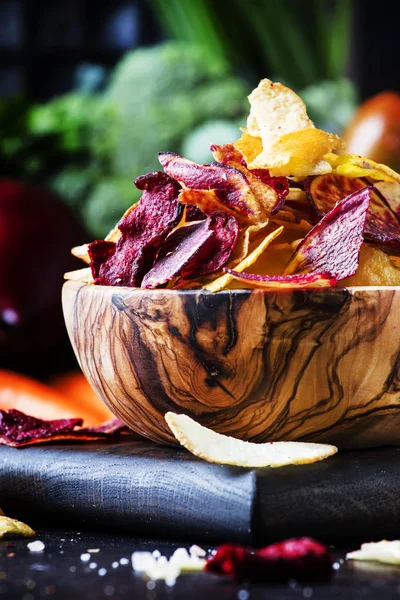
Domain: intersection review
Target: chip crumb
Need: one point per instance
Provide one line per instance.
(124, 561)
(384, 552)
(195, 550)
(94, 550)
(36, 546)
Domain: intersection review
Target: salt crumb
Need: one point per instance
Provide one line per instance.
(307, 592)
(151, 585)
(37, 546)
(180, 555)
(109, 590)
(92, 565)
(195, 550)
(102, 572)
(115, 564)
(243, 595)
(336, 566)
(141, 560)
(156, 554)
(72, 569)
(124, 561)
(85, 557)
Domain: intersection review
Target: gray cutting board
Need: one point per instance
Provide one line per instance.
(138, 487)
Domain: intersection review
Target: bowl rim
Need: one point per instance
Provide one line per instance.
(162, 291)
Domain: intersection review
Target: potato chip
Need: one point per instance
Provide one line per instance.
(224, 280)
(222, 449)
(374, 268)
(275, 110)
(293, 282)
(250, 146)
(352, 165)
(385, 551)
(13, 527)
(299, 154)
(290, 143)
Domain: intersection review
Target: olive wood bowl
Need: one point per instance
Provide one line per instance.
(320, 365)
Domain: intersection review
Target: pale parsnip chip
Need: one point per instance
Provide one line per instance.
(352, 165)
(82, 252)
(224, 280)
(384, 552)
(275, 110)
(222, 449)
(13, 527)
(83, 275)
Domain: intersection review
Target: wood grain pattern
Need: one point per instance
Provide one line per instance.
(322, 365)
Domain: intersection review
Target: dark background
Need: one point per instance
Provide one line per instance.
(43, 41)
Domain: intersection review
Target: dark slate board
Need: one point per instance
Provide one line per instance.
(140, 488)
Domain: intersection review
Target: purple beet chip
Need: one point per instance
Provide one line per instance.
(383, 218)
(18, 429)
(333, 245)
(143, 231)
(230, 185)
(195, 250)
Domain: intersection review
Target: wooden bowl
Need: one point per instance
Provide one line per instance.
(321, 365)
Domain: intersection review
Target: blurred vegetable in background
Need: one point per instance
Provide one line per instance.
(36, 234)
(375, 129)
(305, 45)
(88, 148)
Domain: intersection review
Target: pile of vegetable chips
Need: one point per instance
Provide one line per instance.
(283, 207)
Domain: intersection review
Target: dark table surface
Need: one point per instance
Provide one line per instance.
(58, 572)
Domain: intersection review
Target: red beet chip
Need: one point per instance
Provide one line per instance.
(193, 213)
(227, 154)
(302, 559)
(18, 429)
(99, 253)
(333, 245)
(279, 184)
(109, 427)
(237, 562)
(383, 218)
(195, 250)
(231, 186)
(289, 282)
(143, 231)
